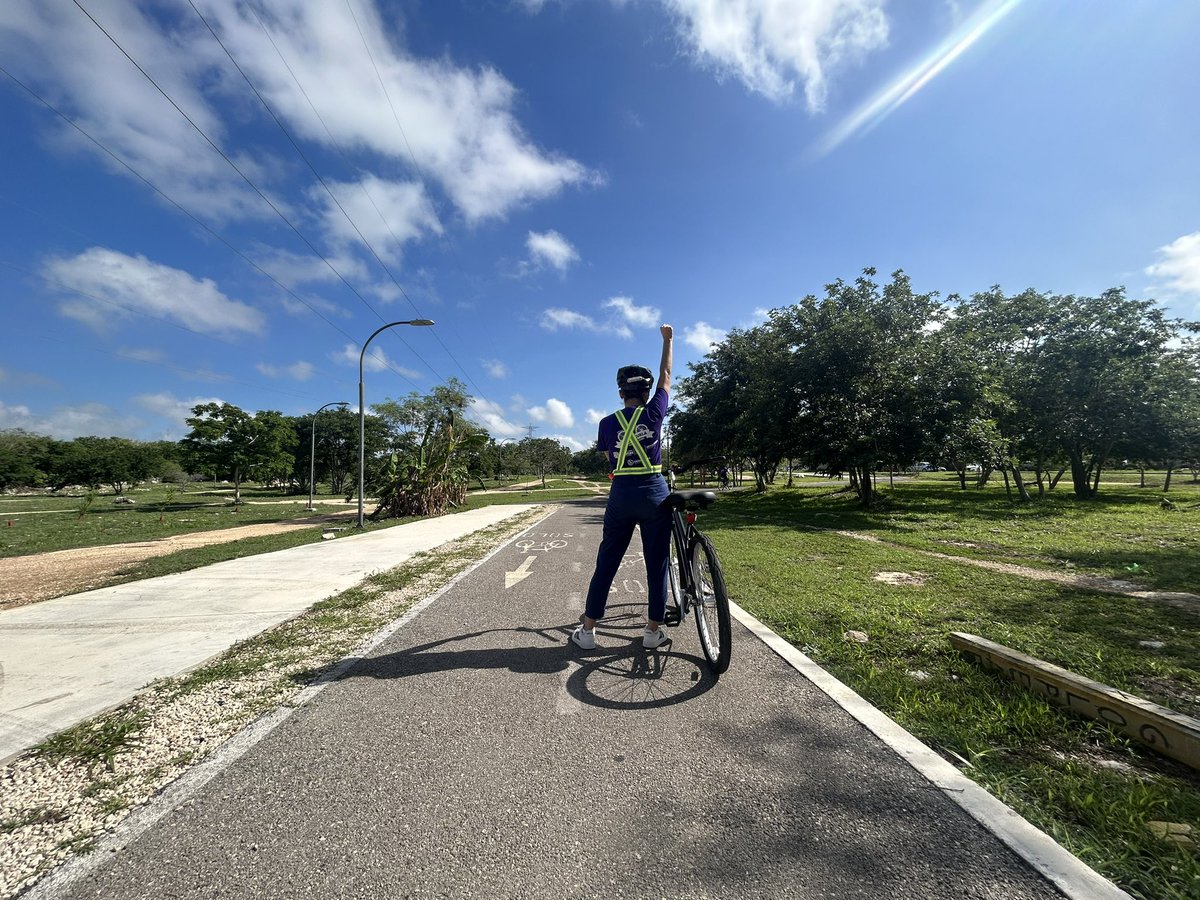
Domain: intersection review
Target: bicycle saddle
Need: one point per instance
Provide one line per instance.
(691, 499)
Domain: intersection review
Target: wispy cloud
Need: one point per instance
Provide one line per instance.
(297, 371)
(639, 316)
(905, 85)
(376, 360)
(118, 286)
(1178, 266)
(594, 416)
(771, 45)
(173, 410)
(702, 336)
(622, 314)
(495, 368)
(548, 249)
(69, 422)
(491, 416)
(455, 127)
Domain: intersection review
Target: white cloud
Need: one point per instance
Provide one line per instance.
(455, 126)
(70, 61)
(556, 317)
(495, 368)
(571, 443)
(173, 409)
(68, 422)
(297, 371)
(142, 354)
(376, 360)
(135, 284)
(491, 416)
(1178, 267)
(642, 316)
(702, 336)
(388, 214)
(594, 416)
(549, 248)
(770, 45)
(623, 313)
(554, 413)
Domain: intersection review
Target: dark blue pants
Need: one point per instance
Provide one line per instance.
(635, 500)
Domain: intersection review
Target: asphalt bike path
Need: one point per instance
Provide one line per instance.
(474, 752)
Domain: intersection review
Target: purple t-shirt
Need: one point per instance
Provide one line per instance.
(648, 432)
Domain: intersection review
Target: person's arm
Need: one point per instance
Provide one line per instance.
(664, 367)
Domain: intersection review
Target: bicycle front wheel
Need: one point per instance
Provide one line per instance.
(712, 604)
(675, 609)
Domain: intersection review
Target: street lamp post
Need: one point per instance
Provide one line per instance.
(312, 454)
(362, 419)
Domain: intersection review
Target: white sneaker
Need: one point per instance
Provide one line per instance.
(584, 639)
(652, 639)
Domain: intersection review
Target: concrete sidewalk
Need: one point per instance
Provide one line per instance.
(64, 660)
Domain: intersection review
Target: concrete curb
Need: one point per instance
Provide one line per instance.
(1066, 871)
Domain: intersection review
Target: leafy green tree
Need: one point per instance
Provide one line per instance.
(861, 369)
(545, 455)
(229, 441)
(24, 458)
(589, 463)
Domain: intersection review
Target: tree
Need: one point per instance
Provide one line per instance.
(589, 463)
(545, 455)
(1074, 375)
(229, 441)
(24, 458)
(862, 372)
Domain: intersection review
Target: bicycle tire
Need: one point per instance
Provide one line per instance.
(675, 607)
(712, 604)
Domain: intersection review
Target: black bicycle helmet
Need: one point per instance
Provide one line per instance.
(634, 378)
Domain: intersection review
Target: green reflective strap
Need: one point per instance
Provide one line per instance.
(647, 467)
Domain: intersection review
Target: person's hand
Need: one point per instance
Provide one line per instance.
(666, 331)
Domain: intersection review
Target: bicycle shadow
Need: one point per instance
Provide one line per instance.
(625, 677)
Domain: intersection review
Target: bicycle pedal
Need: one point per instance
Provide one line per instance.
(672, 617)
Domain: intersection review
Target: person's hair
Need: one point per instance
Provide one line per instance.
(642, 395)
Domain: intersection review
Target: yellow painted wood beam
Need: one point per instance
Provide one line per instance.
(1162, 729)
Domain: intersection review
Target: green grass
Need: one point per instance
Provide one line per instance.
(49, 522)
(1085, 785)
(1124, 534)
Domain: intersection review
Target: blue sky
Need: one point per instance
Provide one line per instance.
(548, 181)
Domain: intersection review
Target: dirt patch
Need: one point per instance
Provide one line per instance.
(31, 579)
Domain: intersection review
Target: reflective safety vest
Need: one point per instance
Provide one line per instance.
(646, 467)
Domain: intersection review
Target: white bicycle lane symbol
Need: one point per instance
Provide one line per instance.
(539, 546)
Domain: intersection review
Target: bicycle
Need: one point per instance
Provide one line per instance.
(699, 585)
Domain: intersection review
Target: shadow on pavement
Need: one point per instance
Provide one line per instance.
(626, 677)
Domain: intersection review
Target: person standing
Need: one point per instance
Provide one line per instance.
(631, 438)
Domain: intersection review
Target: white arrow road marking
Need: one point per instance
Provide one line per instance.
(522, 572)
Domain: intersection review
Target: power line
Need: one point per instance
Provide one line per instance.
(416, 167)
(234, 166)
(120, 161)
(319, 178)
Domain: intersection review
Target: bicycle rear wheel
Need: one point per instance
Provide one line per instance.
(675, 610)
(712, 604)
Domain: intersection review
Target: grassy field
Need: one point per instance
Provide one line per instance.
(1086, 786)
